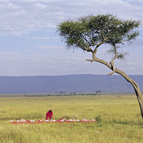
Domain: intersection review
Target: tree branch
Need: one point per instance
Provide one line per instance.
(113, 68)
(86, 40)
(85, 48)
(99, 60)
(95, 50)
(103, 35)
(91, 39)
(82, 45)
(112, 64)
(89, 50)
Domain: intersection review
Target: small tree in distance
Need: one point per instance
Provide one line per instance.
(90, 32)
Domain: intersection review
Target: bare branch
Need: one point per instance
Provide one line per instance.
(91, 39)
(89, 50)
(90, 60)
(113, 68)
(112, 64)
(82, 45)
(95, 50)
(99, 60)
(86, 40)
(103, 34)
(107, 38)
(85, 48)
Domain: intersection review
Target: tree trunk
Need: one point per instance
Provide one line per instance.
(136, 88)
(139, 98)
(134, 84)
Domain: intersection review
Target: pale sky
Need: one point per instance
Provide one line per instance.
(30, 45)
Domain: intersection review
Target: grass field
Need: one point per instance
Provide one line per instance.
(118, 119)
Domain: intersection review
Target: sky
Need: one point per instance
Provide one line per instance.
(30, 44)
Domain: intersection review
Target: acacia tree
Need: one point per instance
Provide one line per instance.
(90, 32)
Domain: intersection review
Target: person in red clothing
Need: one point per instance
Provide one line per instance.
(49, 115)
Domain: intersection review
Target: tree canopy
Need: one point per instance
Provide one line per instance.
(89, 32)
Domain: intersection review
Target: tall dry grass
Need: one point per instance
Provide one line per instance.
(118, 119)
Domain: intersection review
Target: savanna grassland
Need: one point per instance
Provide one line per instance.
(118, 119)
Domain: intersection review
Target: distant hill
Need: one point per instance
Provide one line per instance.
(67, 83)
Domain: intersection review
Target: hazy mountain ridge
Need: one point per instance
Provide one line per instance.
(68, 83)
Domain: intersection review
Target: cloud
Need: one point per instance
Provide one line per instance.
(46, 63)
(51, 47)
(42, 38)
(56, 60)
(37, 51)
(24, 16)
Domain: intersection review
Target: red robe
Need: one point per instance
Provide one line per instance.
(49, 115)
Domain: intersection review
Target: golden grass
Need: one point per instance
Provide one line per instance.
(119, 119)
